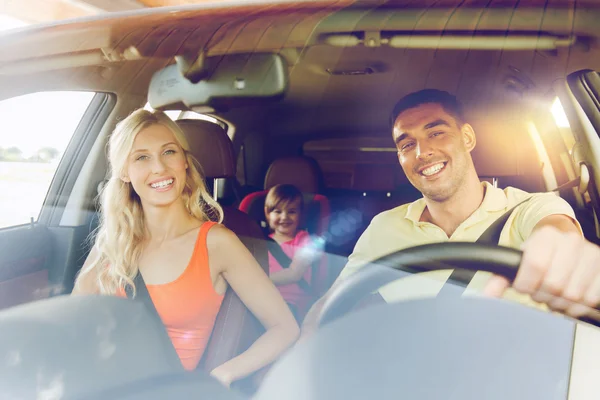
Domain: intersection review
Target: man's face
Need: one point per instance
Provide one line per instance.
(433, 150)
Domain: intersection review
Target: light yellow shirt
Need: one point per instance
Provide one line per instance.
(400, 228)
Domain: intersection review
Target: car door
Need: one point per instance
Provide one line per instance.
(44, 140)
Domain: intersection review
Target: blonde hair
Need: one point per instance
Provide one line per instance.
(122, 230)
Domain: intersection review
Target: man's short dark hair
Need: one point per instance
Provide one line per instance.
(448, 102)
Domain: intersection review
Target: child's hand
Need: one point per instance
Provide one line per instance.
(314, 247)
(318, 242)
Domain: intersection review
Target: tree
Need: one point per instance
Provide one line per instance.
(47, 154)
(11, 154)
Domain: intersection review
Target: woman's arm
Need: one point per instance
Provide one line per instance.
(302, 260)
(86, 284)
(257, 292)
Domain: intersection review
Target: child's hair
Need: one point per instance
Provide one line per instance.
(281, 195)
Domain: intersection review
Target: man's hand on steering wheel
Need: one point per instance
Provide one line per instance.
(558, 268)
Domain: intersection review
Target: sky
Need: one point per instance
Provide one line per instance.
(38, 120)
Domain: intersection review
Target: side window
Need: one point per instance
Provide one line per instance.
(566, 134)
(562, 123)
(36, 130)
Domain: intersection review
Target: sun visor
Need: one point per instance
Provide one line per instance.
(227, 81)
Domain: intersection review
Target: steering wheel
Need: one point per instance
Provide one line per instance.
(470, 256)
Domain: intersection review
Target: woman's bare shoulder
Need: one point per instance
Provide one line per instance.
(224, 245)
(219, 235)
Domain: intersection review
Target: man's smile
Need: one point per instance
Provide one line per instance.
(431, 170)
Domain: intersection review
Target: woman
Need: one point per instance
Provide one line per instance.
(157, 218)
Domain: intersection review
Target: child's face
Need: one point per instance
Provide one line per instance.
(285, 219)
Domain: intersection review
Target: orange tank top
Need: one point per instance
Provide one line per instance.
(188, 306)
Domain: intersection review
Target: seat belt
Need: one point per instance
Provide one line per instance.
(492, 236)
(143, 296)
(462, 277)
(285, 261)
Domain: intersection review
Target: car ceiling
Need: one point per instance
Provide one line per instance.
(91, 54)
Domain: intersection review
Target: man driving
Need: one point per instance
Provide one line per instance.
(559, 267)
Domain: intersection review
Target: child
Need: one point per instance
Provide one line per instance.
(293, 252)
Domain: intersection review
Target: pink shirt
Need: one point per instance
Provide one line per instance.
(292, 293)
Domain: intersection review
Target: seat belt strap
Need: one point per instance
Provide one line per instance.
(143, 296)
(568, 185)
(459, 279)
(285, 261)
(492, 234)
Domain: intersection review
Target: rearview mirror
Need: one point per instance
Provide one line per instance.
(231, 80)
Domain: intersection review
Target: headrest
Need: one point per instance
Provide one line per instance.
(302, 172)
(211, 146)
(504, 144)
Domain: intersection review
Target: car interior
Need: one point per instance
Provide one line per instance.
(300, 93)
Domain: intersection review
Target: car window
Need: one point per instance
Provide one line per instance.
(36, 130)
(566, 138)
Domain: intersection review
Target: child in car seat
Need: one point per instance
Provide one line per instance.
(292, 251)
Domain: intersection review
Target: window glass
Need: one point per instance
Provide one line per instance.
(36, 131)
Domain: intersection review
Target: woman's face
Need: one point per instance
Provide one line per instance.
(156, 166)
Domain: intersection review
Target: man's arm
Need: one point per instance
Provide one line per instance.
(559, 267)
(497, 285)
(561, 222)
(542, 211)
